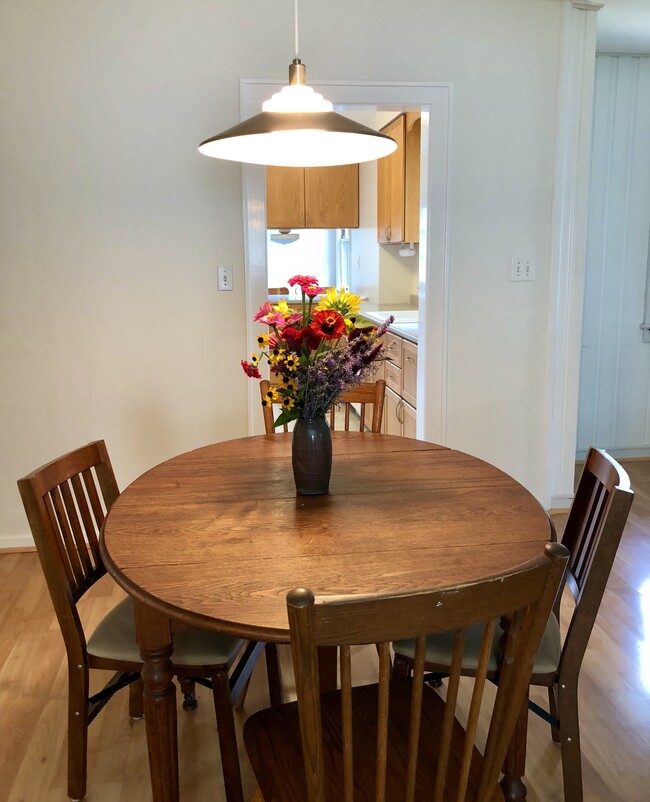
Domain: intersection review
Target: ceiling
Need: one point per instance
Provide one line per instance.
(624, 27)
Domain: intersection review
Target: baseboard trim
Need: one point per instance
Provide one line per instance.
(560, 504)
(17, 543)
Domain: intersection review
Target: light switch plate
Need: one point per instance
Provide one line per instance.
(523, 268)
(224, 277)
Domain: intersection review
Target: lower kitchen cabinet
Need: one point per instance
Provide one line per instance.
(399, 416)
(400, 374)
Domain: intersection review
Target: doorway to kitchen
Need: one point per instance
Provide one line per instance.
(433, 101)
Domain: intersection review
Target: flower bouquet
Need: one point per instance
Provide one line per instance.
(316, 352)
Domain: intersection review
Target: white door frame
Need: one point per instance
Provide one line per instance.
(433, 283)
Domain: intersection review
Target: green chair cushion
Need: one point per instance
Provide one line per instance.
(114, 638)
(439, 648)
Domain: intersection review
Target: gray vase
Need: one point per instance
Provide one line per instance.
(311, 456)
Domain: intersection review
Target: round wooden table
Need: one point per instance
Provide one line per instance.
(216, 538)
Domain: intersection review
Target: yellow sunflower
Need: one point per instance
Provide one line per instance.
(343, 302)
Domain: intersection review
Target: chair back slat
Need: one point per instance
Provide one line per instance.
(62, 523)
(346, 723)
(475, 707)
(78, 533)
(414, 719)
(383, 699)
(528, 593)
(453, 685)
(90, 525)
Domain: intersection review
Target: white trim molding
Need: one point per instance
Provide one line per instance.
(568, 235)
(16, 543)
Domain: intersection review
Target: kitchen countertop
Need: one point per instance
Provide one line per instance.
(406, 328)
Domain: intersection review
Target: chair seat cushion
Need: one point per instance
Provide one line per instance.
(114, 638)
(274, 746)
(439, 649)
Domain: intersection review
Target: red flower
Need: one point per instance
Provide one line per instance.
(251, 370)
(292, 338)
(295, 339)
(303, 281)
(328, 324)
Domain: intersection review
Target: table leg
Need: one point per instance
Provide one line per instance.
(514, 766)
(154, 638)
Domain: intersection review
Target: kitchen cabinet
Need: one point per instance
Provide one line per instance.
(400, 374)
(312, 197)
(398, 183)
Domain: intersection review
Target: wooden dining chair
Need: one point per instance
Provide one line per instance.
(362, 395)
(396, 739)
(66, 502)
(592, 534)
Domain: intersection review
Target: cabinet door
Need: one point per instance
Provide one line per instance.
(392, 423)
(408, 417)
(393, 348)
(391, 187)
(285, 197)
(332, 196)
(409, 371)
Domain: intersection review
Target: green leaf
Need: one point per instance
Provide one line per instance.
(286, 416)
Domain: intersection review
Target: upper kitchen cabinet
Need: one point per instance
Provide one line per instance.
(398, 183)
(312, 197)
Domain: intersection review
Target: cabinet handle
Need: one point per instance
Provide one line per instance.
(399, 411)
(410, 359)
(389, 232)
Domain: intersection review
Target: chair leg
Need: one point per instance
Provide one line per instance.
(188, 689)
(401, 668)
(239, 704)
(273, 673)
(136, 699)
(227, 736)
(570, 742)
(77, 731)
(552, 707)
(514, 766)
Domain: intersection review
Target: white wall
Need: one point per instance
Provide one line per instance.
(615, 366)
(113, 224)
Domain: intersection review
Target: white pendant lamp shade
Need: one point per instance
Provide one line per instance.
(298, 128)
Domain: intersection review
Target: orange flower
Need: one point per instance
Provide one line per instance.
(329, 324)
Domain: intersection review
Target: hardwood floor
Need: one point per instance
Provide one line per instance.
(614, 695)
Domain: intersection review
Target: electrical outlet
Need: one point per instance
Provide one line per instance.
(523, 268)
(224, 277)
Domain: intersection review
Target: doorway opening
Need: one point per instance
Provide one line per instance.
(433, 101)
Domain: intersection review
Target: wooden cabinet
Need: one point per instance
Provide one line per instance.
(398, 183)
(400, 374)
(312, 197)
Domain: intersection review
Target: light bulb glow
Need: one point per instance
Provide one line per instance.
(299, 148)
(297, 98)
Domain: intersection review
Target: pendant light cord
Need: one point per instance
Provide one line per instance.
(295, 17)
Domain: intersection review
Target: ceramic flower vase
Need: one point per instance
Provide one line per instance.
(311, 456)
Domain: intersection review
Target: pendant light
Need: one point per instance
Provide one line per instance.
(298, 128)
(284, 237)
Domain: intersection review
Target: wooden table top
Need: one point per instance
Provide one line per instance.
(217, 536)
